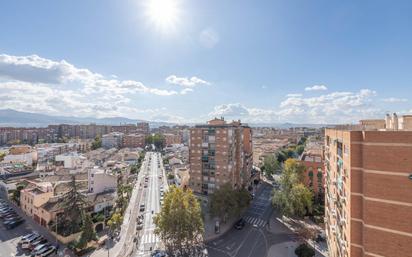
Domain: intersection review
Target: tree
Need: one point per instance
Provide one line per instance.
(2, 155)
(97, 143)
(270, 165)
(299, 149)
(157, 139)
(134, 169)
(16, 193)
(281, 157)
(72, 204)
(293, 198)
(88, 232)
(227, 202)
(115, 221)
(179, 223)
(304, 250)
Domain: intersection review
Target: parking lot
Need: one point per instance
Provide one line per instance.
(11, 235)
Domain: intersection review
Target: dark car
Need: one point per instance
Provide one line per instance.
(40, 250)
(14, 224)
(159, 253)
(37, 242)
(240, 224)
(10, 214)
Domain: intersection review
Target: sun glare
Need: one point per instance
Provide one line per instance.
(163, 13)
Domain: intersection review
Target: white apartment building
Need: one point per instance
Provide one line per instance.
(70, 160)
(100, 180)
(24, 158)
(112, 140)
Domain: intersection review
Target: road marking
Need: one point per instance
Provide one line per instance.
(256, 221)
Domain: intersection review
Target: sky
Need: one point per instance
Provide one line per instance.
(318, 61)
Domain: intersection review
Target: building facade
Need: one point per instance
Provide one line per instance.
(33, 197)
(220, 153)
(314, 172)
(112, 140)
(134, 140)
(368, 203)
(100, 181)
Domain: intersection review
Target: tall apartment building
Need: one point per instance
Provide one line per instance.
(368, 198)
(143, 127)
(134, 140)
(112, 140)
(220, 153)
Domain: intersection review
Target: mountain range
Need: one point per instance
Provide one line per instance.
(13, 118)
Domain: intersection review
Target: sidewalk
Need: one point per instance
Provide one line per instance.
(210, 234)
(126, 231)
(296, 225)
(209, 223)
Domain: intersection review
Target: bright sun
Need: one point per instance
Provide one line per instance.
(163, 13)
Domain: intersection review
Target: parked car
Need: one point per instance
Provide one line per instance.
(159, 253)
(27, 237)
(26, 244)
(240, 224)
(37, 242)
(49, 252)
(142, 207)
(39, 248)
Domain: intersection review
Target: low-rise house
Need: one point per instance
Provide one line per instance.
(23, 154)
(100, 180)
(70, 160)
(33, 197)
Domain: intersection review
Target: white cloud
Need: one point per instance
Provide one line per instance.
(38, 70)
(395, 100)
(35, 84)
(208, 38)
(336, 107)
(185, 91)
(316, 88)
(186, 81)
(293, 95)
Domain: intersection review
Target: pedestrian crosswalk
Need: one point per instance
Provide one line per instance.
(149, 238)
(256, 221)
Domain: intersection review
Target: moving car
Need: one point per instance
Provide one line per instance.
(142, 207)
(240, 224)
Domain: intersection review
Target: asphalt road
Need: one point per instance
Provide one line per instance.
(255, 239)
(151, 198)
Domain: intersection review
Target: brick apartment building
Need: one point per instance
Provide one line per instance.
(171, 139)
(368, 198)
(313, 161)
(220, 153)
(134, 140)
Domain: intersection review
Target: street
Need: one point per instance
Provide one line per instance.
(155, 179)
(257, 237)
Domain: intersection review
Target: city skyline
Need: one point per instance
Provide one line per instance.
(267, 62)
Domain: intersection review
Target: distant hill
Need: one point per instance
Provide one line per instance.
(13, 118)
